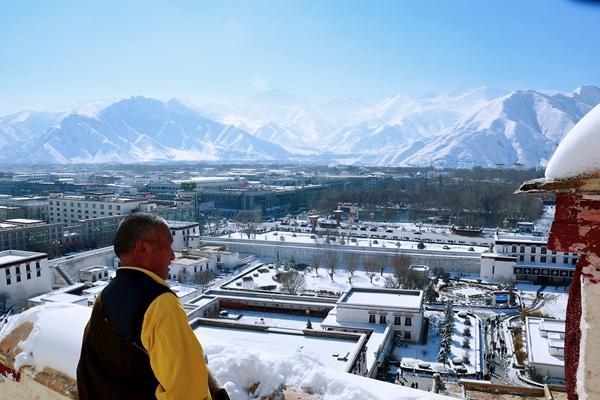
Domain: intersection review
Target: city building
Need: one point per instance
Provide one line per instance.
(70, 209)
(402, 310)
(23, 274)
(185, 266)
(546, 347)
(185, 234)
(521, 257)
(31, 235)
(93, 273)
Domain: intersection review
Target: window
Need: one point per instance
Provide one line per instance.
(574, 261)
(521, 258)
(407, 321)
(532, 249)
(382, 319)
(397, 320)
(514, 249)
(371, 318)
(543, 259)
(553, 260)
(29, 275)
(8, 281)
(522, 249)
(565, 260)
(27, 268)
(18, 278)
(544, 250)
(406, 334)
(532, 258)
(17, 270)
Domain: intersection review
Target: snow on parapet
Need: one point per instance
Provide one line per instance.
(54, 341)
(579, 152)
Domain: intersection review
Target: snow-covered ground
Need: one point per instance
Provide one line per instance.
(411, 355)
(313, 282)
(306, 238)
(553, 303)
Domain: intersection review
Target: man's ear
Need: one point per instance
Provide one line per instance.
(142, 248)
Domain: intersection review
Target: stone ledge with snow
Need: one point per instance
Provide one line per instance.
(44, 343)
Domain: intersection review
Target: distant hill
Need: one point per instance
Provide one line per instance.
(480, 127)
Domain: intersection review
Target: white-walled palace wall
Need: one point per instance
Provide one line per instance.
(301, 252)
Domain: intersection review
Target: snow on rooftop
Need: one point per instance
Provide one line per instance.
(55, 342)
(577, 153)
(10, 259)
(285, 343)
(538, 346)
(384, 298)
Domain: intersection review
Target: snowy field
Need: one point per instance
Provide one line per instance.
(313, 282)
(469, 246)
(554, 304)
(411, 355)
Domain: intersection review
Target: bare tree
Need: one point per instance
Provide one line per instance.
(183, 276)
(248, 222)
(3, 298)
(317, 260)
(332, 260)
(203, 278)
(371, 266)
(352, 263)
(291, 282)
(247, 282)
(401, 265)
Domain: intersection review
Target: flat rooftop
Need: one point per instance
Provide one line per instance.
(284, 342)
(383, 298)
(538, 347)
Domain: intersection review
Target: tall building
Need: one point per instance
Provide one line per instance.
(70, 209)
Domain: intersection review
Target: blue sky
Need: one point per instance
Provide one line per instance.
(61, 53)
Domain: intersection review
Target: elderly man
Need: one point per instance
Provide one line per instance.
(138, 343)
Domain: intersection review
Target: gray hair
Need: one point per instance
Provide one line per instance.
(136, 227)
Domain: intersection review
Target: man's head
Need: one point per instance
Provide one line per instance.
(144, 241)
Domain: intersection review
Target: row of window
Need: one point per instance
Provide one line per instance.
(86, 205)
(38, 273)
(397, 320)
(543, 250)
(544, 259)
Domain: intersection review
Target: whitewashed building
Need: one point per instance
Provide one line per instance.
(546, 347)
(23, 274)
(521, 257)
(185, 266)
(93, 273)
(402, 310)
(185, 234)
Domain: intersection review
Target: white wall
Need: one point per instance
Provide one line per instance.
(361, 315)
(19, 292)
(494, 270)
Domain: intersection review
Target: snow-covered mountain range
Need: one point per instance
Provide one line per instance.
(459, 129)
